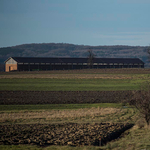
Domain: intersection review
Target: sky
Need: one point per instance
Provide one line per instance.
(82, 22)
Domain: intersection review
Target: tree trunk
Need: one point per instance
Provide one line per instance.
(147, 118)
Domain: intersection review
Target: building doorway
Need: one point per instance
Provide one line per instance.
(11, 68)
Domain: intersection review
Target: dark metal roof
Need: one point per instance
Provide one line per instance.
(74, 60)
(118, 60)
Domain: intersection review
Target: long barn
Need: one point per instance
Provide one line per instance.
(45, 63)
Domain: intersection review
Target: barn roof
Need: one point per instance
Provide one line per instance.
(74, 60)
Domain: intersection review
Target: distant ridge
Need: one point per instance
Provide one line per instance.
(71, 50)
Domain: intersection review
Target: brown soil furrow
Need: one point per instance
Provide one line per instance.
(62, 97)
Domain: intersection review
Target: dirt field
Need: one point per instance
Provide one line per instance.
(86, 71)
(61, 134)
(79, 74)
(62, 97)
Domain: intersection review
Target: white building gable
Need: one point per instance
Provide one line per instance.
(11, 61)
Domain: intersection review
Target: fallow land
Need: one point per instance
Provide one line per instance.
(81, 108)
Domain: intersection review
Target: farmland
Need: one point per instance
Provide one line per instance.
(71, 110)
(80, 80)
(69, 84)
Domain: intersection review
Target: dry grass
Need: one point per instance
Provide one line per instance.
(79, 115)
(67, 76)
(127, 73)
(76, 76)
(133, 139)
(87, 71)
(55, 115)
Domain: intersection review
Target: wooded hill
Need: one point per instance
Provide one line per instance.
(71, 50)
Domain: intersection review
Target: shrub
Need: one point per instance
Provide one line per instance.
(141, 100)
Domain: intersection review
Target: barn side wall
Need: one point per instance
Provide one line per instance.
(38, 67)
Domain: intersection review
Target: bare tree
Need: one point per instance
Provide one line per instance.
(91, 57)
(141, 100)
(148, 51)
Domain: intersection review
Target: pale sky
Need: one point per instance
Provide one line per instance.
(82, 22)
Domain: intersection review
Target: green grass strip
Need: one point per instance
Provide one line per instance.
(55, 106)
(69, 84)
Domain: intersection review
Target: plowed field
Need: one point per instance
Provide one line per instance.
(61, 134)
(62, 97)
